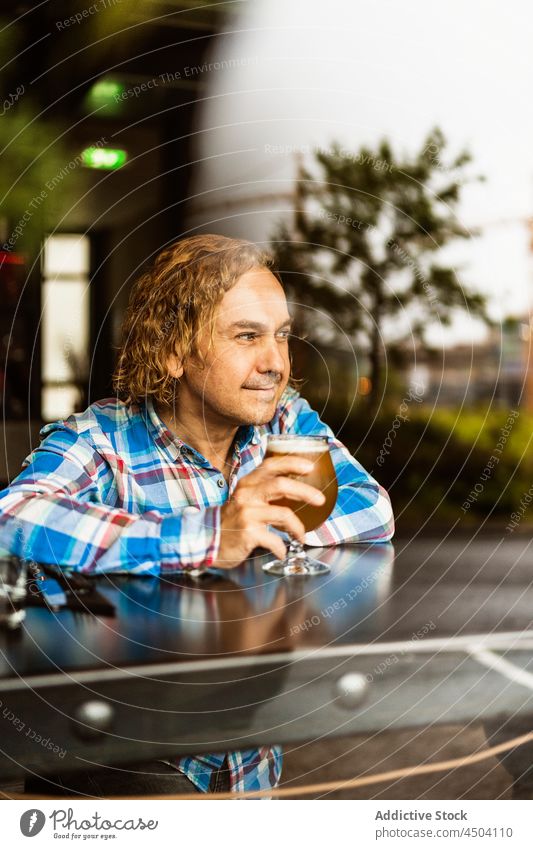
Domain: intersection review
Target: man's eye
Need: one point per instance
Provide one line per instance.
(250, 336)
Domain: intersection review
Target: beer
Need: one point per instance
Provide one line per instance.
(322, 475)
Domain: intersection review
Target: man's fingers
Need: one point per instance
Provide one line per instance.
(282, 518)
(256, 515)
(272, 542)
(282, 487)
(270, 481)
(283, 465)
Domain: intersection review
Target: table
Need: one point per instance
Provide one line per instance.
(428, 631)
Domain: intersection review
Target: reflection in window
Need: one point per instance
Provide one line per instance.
(65, 325)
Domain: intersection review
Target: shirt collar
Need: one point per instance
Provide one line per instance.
(171, 444)
(174, 446)
(247, 434)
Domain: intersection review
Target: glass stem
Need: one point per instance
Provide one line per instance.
(296, 551)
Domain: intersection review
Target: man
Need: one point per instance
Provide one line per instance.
(169, 476)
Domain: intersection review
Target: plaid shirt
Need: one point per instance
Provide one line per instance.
(112, 490)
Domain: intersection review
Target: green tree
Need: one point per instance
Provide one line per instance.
(32, 151)
(360, 257)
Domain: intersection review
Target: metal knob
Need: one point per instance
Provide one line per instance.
(351, 689)
(92, 719)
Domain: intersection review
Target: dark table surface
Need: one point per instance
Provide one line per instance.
(392, 637)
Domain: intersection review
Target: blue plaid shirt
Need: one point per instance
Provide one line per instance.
(113, 490)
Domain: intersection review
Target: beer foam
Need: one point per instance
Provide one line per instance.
(297, 445)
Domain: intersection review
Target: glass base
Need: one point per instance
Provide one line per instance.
(296, 566)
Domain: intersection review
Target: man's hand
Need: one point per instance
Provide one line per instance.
(244, 518)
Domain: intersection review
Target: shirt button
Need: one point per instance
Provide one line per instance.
(221, 483)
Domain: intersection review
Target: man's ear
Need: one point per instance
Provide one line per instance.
(175, 366)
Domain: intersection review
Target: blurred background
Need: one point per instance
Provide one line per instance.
(384, 155)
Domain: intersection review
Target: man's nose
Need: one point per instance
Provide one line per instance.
(271, 357)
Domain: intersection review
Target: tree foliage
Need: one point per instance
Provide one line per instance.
(361, 257)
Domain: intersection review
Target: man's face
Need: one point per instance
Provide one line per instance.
(247, 367)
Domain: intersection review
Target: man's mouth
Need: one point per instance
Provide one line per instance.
(269, 392)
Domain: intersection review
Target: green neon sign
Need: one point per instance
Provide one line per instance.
(105, 96)
(104, 158)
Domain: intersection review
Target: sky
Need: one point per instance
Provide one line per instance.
(305, 72)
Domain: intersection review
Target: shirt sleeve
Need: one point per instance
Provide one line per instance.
(54, 512)
(363, 511)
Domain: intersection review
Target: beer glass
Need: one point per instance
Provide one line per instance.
(323, 477)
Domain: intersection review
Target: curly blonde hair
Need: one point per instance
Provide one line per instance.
(170, 303)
